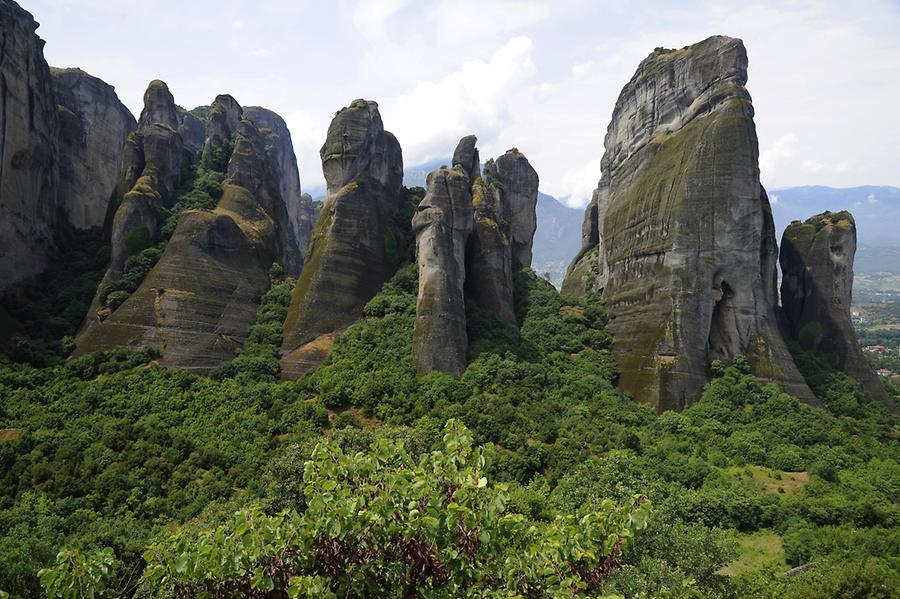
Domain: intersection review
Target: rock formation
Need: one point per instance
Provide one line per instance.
(473, 231)
(301, 212)
(28, 148)
(93, 127)
(684, 241)
(442, 224)
(353, 250)
(816, 283)
(198, 302)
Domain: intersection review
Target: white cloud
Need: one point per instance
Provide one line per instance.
(581, 69)
(813, 165)
(776, 159)
(579, 183)
(773, 199)
(371, 17)
(308, 137)
(429, 120)
(872, 199)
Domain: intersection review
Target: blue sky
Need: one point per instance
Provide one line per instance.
(535, 74)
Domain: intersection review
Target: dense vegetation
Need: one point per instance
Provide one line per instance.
(153, 482)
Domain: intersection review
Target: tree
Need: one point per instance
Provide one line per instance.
(382, 523)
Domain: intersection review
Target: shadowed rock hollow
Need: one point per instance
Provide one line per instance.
(679, 234)
(816, 284)
(354, 245)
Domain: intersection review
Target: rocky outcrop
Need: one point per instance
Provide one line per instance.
(198, 302)
(301, 214)
(489, 255)
(520, 187)
(221, 127)
(353, 249)
(684, 239)
(473, 231)
(29, 128)
(192, 131)
(151, 167)
(93, 127)
(443, 223)
(816, 284)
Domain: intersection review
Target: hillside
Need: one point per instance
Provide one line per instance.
(213, 387)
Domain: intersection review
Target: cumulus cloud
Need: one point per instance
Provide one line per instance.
(308, 135)
(430, 119)
(578, 183)
(777, 158)
(371, 17)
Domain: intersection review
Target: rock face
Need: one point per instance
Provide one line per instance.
(198, 302)
(443, 223)
(29, 126)
(473, 231)
(816, 284)
(93, 127)
(684, 244)
(151, 167)
(301, 213)
(353, 250)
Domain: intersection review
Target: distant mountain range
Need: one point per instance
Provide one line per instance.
(876, 210)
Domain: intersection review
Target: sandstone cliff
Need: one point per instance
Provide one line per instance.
(29, 126)
(817, 280)
(93, 127)
(684, 244)
(473, 231)
(301, 213)
(443, 223)
(199, 300)
(353, 249)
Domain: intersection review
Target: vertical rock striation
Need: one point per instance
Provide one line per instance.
(353, 250)
(816, 285)
(684, 243)
(29, 171)
(93, 127)
(473, 231)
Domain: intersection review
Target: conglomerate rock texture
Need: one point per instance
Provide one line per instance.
(473, 231)
(93, 127)
(816, 284)
(198, 302)
(684, 241)
(353, 250)
(29, 171)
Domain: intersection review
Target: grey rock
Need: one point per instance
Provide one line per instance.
(93, 127)
(442, 224)
(816, 285)
(301, 214)
(349, 257)
(684, 240)
(489, 255)
(221, 124)
(29, 171)
(520, 183)
(192, 131)
(466, 157)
